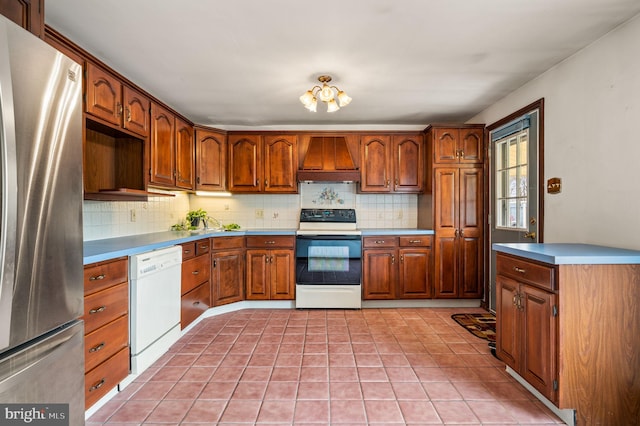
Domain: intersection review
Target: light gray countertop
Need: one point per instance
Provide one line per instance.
(111, 248)
(570, 254)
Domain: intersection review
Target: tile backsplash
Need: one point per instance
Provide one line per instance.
(116, 219)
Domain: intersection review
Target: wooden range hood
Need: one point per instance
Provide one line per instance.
(328, 160)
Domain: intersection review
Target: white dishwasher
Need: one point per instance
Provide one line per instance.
(154, 305)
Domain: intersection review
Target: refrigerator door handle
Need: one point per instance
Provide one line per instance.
(9, 192)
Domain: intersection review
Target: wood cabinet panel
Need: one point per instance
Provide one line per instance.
(414, 273)
(188, 250)
(211, 160)
(376, 163)
(379, 242)
(257, 282)
(103, 98)
(271, 241)
(163, 157)
(105, 306)
(280, 163)
(194, 303)
(136, 111)
(184, 155)
(104, 342)
(409, 163)
(194, 272)
(29, 14)
(457, 145)
(379, 274)
(270, 267)
(245, 163)
(282, 274)
(227, 276)
(101, 275)
(99, 381)
(218, 243)
(530, 272)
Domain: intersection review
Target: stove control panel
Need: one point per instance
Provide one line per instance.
(328, 215)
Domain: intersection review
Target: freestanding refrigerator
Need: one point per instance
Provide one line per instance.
(41, 279)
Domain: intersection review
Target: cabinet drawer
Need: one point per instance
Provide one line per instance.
(194, 272)
(379, 242)
(188, 250)
(416, 241)
(194, 303)
(105, 377)
(543, 276)
(99, 276)
(105, 306)
(104, 342)
(271, 241)
(202, 246)
(227, 242)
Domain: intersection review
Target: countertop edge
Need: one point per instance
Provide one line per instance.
(570, 254)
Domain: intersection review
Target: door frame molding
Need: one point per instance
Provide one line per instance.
(539, 105)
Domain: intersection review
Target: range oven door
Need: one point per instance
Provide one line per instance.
(328, 260)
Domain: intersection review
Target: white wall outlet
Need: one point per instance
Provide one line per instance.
(226, 207)
(132, 215)
(399, 214)
(259, 213)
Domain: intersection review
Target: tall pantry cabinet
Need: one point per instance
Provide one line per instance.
(457, 204)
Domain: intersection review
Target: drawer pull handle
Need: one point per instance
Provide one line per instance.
(97, 277)
(197, 302)
(97, 385)
(415, 241)
(379, 241)
(519, 270)
(187, 251)
(269, 242)
(97, 347)
(97, 310)
(195, 272)
(204, 246)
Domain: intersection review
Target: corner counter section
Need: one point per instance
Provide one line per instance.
(570, 254)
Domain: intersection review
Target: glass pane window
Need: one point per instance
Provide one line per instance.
(512, 181)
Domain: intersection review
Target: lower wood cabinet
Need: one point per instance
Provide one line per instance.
(106, 319)
(195, 290)
(227, 270)
(571, 331)
(397, 267)
(270, 267)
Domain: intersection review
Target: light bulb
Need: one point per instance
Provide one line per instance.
(326, 94)
(343, 98)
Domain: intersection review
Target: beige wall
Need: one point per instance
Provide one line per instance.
(592, 140)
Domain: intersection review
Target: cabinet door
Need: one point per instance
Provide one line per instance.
(227, 277)
(163, 160)
(445, 145)
(507, 322)
(29, 14)
(245, 163)
(408, 157)
(103, 97)
(446, 267)
(414, 279)
(539, 334)
(379, 274)
(280, 163)
(211, 159)
(471, 146)
(257, 283)
(375, 174)
(136, 111)
(470, 233)
(281, 274)
(184, 154)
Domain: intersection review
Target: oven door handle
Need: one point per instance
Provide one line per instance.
(329, 237)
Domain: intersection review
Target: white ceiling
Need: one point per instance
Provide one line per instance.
(405, 63)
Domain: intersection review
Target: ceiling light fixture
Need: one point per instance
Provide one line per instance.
(327, 94)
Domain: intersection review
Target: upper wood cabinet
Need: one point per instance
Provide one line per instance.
(211, 160)
(457, 145)
(29, 14)
(392, 163)
(172, 150)
(184, 154)
(260, 163)
(108, 99)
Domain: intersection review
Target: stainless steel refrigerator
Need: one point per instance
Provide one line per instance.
(41, 278)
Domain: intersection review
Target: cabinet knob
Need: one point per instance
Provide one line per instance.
(195, 272)
(415, 241)
(97, 310)
(97, 386)
(393, 259)
(519, 270)
(379, 241)
(96, 348)
(97, 277)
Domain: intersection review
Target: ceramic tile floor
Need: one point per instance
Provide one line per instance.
(288, 367)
